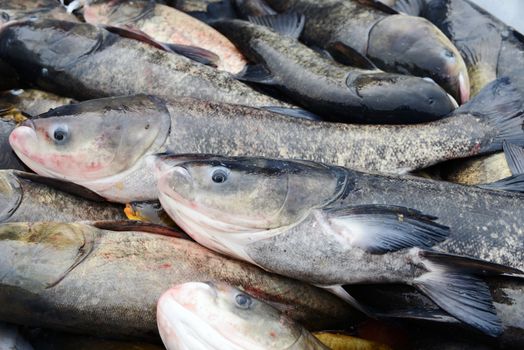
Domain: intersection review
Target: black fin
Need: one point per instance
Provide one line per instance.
(379, 229)
(194, 53)
(377, 4)
(256, 73)
(514, 157)
(453, 285)
(220, 10)
(135, 34)
(348, 56)
(410, 7)
(246, 8)
(513, 183)
(62, 185)
(418, 314)
(131, 225)
(289, 24)
(294, 112)
(323, 52)
(500, 105)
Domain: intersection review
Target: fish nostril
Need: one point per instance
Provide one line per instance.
(29, 123)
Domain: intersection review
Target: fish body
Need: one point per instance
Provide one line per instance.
(166, 24)
(32, 102)
(64, 278)
(24, 199)
(395, 43)
(84, 61)
(10, 339)
(33, 10)
(316, 223)
(333, 91)
(8, 158)
(105, 145)
(198, 315)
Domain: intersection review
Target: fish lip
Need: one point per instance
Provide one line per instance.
(29, 123)
(464, 88)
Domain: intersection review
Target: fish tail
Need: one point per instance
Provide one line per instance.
(454, 283)
(500, 105)
(514, 183)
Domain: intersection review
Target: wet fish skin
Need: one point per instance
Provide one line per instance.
(216, 315)
(395, 43)
(24, 200)
(87, 300)
(33, 10)
(336, 92)
(32, 102)
(8, 158)
(165, 24)
(122, 172)
(84, 61)
(10, 339)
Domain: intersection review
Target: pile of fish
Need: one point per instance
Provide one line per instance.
(260, 174)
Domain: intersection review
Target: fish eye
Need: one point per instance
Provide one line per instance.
(5, 16)
(60, 134)
(243, 301)
(220, 175)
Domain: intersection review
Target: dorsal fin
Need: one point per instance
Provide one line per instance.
(289, 24)
(349, 56)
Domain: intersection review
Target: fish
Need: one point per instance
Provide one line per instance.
(247, 8)
(400, 303)
(64, 274)
(8, 158)
(26, 197)
(167, 25)
(10, 339)
(330, 90)
(108, 145)
(31, 101)
(393, 42)
(33, 10)
(84, 62)
(207, 10)
(490, 48)
(148, 211)
(315, 223)
(199, 315)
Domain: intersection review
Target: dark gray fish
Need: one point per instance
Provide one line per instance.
(11, 339)
(247, 8)
(78, 278)
(33, 10)
(84, 61)
(29, 197)
(105, 144)
(8, 158)
(394, 42)
(333, 91)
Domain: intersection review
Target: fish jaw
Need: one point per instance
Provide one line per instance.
(179, 322)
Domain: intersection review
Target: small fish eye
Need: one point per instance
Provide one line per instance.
(60, 134)
(448, 54)
(243, 301)
(219, 176)
(431, 101)
(5, 16)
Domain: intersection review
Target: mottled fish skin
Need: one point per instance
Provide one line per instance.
(32, 102)
(395, 43)
(166, 24)
(334, 91)
(87, 300)
(84, 61)
(33, 10)
(23, 200)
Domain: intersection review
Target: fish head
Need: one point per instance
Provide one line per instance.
(415, 99)
(217, 316)
(242, 193)
(92, 140)
(10, 194)
(413, 45)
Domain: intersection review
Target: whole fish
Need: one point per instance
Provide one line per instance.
(75, 277)
(166, 24)
(316, 223)
(200, 316)
(85, 61)
(333, 91)
(8, 158)
(32, 102)
(26, 197)
(490, 47)
(105, 144)
(10, 339)
(33, 10)
(394, 42)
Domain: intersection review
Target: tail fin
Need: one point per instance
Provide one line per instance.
(501, 106)
(453, 283)
(510, 184)
(514, 157)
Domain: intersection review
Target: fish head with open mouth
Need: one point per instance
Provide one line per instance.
(199, 315)
(92, 140)
(412, 45)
